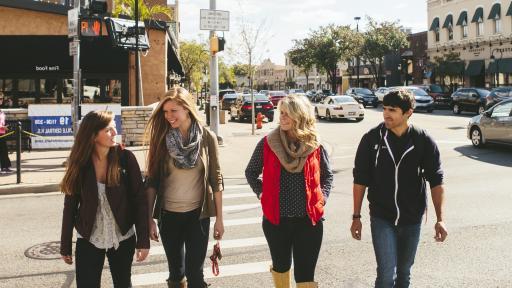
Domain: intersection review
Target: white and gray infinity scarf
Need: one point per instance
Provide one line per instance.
(184, 154)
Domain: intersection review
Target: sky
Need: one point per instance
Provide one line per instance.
(285, 20)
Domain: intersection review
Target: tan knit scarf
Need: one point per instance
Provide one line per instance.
(292, 156)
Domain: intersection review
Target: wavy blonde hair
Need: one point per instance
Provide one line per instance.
(157, 129)
(300, 110)
(82, 150)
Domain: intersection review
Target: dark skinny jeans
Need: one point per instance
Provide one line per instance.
(297, 236)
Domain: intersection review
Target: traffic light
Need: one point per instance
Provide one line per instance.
(222, 42)
(217, 44)
(90, 26)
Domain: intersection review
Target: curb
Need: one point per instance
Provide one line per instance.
(28, 188)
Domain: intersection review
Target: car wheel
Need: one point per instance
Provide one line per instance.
(375, 105)
(359, 119)
(327, 115)
(270, 119)
(430, 110)
(317, 116)
(481, 109)
(456, 109)
(476, 137)
(240, 118)
(232, 117)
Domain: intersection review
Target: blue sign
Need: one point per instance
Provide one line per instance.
(52, 125)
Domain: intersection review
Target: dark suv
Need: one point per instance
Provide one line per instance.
(364, 96)
(469, 99)
(441, 97)
(497, 95)
(242, 108)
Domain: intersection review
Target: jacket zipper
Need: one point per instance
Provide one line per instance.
(396, 173)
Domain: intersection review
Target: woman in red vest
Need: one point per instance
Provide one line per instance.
(295, 185)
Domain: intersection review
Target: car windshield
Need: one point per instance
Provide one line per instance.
(418, 92)
(364, 91)
(347, 99)
(279, 93)
(257, 97)
(436, 89)
(483, 92)
(230, 96)
(298, 91)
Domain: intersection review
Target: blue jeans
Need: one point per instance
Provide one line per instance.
(395, 248)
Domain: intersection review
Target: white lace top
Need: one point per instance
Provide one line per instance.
(105, 232)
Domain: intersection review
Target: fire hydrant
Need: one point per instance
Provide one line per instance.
(259, 120)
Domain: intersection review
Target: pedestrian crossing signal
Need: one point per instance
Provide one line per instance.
(90, 27)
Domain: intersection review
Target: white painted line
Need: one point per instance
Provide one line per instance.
(240, 207)
(453, 142)
(237, 186)
(224, 244)
(238, 222)
(30, 195)
(225, 271)
(343, 157)
(238, 195)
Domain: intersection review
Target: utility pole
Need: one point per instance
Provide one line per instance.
(137, 63)
(357, 18)
(75, 106)
(214, 85)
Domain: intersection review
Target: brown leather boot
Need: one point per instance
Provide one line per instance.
(307, 285)
(181, 284)
(281, 280)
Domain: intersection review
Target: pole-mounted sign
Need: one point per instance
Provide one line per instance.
(214, 20)
(73, 22)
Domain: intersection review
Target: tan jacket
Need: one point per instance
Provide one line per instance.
(213, 181)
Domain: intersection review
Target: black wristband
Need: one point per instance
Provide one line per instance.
(356, 216)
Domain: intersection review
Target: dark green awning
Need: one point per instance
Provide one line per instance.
(504, 65)
(463, 17)
(455, 68)
(509, 12)
(495, 11)
(479, 15)
(448, 22)
(475, 68)
(435, 24)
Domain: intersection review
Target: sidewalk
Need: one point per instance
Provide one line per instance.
(42, 171)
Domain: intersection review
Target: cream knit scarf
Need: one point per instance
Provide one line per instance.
(292, 156)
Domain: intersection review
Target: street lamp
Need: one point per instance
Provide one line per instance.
(357, 18)
(497, 66)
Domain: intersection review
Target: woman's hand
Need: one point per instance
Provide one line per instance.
(141, 254)
(218, 229)
(153, 230)
(68, 259)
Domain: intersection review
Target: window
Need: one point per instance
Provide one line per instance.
(450, 33)
(497, 26)
(480, 28)
(502, 110)
(437, 35)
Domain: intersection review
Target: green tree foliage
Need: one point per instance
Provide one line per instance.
(332, 44)
(240, 69)
(127, 7)
(302, 56)
(448, 65)
(194, 58)
(226, 76)
(381, 39)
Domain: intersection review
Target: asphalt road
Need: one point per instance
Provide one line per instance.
(478, 214)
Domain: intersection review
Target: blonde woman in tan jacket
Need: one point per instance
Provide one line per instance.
(184, 185)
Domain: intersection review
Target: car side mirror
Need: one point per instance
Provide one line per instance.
(474, 95)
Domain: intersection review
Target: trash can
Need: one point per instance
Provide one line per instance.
(207, 112)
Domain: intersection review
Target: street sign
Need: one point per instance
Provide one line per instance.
(73, 22)
(73, 48)
(214, 20)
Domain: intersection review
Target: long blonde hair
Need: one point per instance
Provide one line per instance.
(302, 113)
(81, 153)
(157, 129)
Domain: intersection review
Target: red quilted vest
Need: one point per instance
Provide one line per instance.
(271, 180)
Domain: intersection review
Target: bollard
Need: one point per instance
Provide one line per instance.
(18, 152)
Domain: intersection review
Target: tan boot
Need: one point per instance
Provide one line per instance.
(307, 285)
(281, 280)
(181, 284)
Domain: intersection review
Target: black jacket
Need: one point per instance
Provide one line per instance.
(394, 170)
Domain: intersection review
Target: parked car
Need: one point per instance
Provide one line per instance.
(275, 96)
(264, 92)
(224, 92)
(339, 107)
(364, 96)
(441, 96)
(295, 91)
(424, 102)
(227, 101)
(242, 109)
(381, 92)
(469, 99)
(494, 125)
(498, 94)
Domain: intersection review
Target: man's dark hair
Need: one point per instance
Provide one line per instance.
(402, 99)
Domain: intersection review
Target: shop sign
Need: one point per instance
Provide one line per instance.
(73, 22)
(53, 123)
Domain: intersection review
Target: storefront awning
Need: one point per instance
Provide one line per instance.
(451, 68)
(504, 66)
(495, 11)
(435, 24)
(509, 11)
(173, 61)
(448, 22)
(475, 68)
(463, 18)
(479, 15)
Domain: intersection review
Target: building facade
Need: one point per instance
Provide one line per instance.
(36, 66)
(474, 38)
(269, 76)
(296, 78)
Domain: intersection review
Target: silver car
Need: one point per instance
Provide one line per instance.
(493, 125)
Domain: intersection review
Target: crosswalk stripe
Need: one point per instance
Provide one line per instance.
(238, 195)
(237, 186)
(224, 244)
(240, 207)
(225, 271)
(239, 221)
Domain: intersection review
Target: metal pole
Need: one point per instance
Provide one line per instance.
(75, 107)
(137, 64)
(18, 152)
(214, 86)
(357, 60)
(253, 116)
